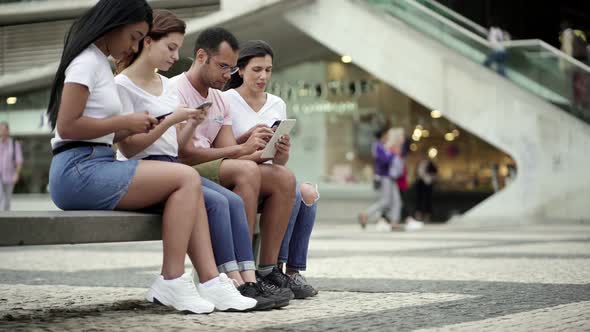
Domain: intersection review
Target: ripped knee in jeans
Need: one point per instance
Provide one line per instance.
(309, 193)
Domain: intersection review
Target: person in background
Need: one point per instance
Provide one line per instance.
(385, 182)
(426, 172)
(495, 177)
(402, 181)
(497, 37)
(575, 43)
(390, 218)
(11, 161)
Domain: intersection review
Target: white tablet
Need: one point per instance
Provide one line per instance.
(284, 128)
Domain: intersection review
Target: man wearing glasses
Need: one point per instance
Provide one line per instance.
(215, 154)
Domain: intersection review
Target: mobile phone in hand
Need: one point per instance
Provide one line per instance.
(161, 117)
(275, 125)
(204, 105)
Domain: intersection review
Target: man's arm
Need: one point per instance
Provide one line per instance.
(227, 139)
(224, 146)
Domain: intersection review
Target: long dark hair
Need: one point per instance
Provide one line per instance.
(165, 22)
(99, 20)
(248, 50)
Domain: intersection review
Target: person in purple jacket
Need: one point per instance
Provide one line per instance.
(387, 184)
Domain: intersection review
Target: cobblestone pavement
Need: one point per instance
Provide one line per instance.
(444, 278)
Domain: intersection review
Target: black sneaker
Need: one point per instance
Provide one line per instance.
(253, 290)
(281, 280)
(282, 296)
(299, 279)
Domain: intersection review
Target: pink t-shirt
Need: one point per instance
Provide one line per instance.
(217, 117)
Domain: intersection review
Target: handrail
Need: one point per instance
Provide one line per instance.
(459, 17)
(445, 20)
(549, 48)
(512, 43)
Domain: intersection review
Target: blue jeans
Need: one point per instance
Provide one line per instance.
(499, 57)
(296, 241)
(228, 226)
(89, 178)
(230, 235)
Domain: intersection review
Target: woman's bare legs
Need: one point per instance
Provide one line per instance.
(180, 187)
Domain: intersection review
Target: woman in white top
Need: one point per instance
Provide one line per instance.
(141, 89)
(86, 112)
(253, 110)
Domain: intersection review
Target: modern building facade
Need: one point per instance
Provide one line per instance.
(346, 68)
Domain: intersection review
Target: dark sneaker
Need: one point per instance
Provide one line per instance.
(253, 290)
(281, 280)
(299, 279)
(282, 296)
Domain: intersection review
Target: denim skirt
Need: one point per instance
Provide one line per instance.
(89, 178)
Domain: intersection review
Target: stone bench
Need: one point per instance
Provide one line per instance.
(71, 227)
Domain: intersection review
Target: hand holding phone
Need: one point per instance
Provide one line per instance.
(201, 113)
(203, 107)
(161, 117)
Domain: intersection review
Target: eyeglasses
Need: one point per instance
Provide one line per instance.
(225, 68)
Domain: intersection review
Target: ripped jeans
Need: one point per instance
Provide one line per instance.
(296, 241)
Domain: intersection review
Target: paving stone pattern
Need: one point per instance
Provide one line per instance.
(444, 278)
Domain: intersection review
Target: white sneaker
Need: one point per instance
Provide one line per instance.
(382, 226)
(179, 293)
(413, 225)
(225, 296)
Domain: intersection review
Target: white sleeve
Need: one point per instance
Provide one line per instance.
(128, 106)
(82, 70)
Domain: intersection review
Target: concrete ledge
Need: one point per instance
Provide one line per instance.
(68, 227)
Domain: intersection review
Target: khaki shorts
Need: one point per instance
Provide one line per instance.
(210, 169)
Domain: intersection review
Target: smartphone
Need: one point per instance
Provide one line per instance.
(275, 125)
(204, 105)
(161, 117)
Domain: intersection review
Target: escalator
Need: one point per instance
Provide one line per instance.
(536, 113)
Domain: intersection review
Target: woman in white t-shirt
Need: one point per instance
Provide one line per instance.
(141, 89)
(86, 112)
(253, 110)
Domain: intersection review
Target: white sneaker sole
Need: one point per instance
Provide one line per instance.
(155, 297)
(244, 307)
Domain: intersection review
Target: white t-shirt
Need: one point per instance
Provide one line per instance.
(496, 37)
(135, 99)
(92, 69)
(244, 117)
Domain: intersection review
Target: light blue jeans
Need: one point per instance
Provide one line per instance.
(230, 236)
(89, 178)
(296, 241)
